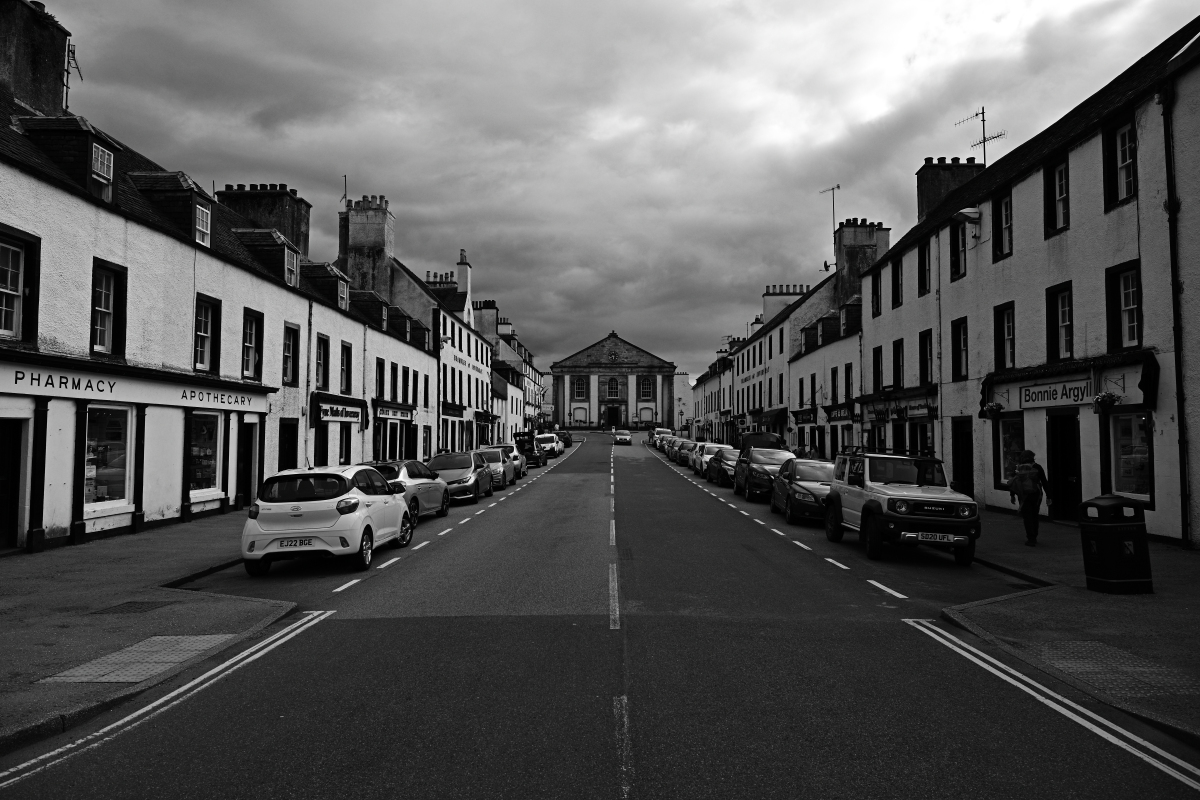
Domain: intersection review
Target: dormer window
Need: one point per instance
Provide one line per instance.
(291, 269)
(343, 295)
(203, 222)
(383, 318)
(100, 184)
(820, 335)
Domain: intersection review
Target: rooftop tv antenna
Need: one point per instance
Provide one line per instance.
(832, 192)
(981, 114)
(71, 62)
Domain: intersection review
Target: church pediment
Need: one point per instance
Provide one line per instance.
(612, 353)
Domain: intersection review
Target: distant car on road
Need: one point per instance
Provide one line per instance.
(565, 438)
(656, 434)
(701, 455)
(328, 511)
(623, 437)
(721, 466)
(424, 492)
(756, 469)
(551, 445)
(466, 474)
(800, 489)
(501, 467)
(530, 449)
(520, 463)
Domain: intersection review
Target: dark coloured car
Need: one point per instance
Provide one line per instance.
(467, 475)
(800, 489)
(534, 455)
(756, 469)
(683, 453)
(565, 437)
(721, 467)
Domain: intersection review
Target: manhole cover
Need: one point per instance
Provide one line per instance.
(1115, 671)
(136, 607)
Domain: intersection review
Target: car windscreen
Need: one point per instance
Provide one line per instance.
(622, 433)
(709, 449)
(726, 455)
(817, 473)
(546, 437)
(507, 448)
(916, 471)
(770, 456)
(295, 488)
(450, 461)
(491, 456)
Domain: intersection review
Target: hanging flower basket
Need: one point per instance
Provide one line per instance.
(1104, 401)
(993, 410)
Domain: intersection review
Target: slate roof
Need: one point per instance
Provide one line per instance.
(1178, 51)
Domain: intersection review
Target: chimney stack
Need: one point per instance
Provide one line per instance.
(935, 181)
(33, 57)
(271, 206)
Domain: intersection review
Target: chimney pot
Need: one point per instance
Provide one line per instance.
(254, 187)
(283, 187)
(941, 159)
(229, 187)
(954, 160)
(274, 187)
(928, 159)
(970, 159)
(241, 187)
(855, 220)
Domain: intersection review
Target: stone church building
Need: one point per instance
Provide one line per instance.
(613, 383)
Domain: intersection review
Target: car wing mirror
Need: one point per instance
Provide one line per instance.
(396, 486)
(434, 473)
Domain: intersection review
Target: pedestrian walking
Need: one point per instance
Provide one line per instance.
(1027, 487)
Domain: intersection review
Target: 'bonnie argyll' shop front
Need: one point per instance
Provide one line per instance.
(93, 450)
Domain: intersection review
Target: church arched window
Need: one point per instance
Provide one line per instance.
(614, 388)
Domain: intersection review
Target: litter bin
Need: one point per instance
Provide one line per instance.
(1116, 558)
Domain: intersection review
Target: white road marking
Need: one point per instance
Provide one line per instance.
(347, 585)
(613, 504)
(781, 533)
(502, 499)
(612, 489)
(422, 544)
(612, 532)
(731, 505)
(493, 505)
(480, 511)
(614, 610)
(801, 544)
(1060, 704)
(388, 563)
(836, 564)
(465, 521)
(747, 513)
(624, 744)
(109, 732)
(892, 592)
(759, 521)
(443, 533)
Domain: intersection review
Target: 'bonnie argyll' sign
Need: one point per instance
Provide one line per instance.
(78, 385)
(1066, 393)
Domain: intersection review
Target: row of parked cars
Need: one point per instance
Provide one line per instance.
(350, 510)
(883, 497)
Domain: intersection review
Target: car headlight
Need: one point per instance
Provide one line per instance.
(347, 505)
(805, 496)
(762, 473)
(899, 506)
(966, 511)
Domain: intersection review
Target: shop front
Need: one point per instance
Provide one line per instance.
(395, 435)
(805, 420)
(841, 419)
(337, 420)
(75, 465)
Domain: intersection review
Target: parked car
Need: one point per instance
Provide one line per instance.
(623, 437)
(701, 455)
(683, 453)
(656, 434)
(520, 463)
(466, 474)
(721, 467)
(501, 466)
(565, 438)
(551, 445)
(800, 489)
(756, 470)
(673, 445)
(529, 448)
(762, 440)
(328, 511)
(662, 441)
(900, 499)
(424, 492)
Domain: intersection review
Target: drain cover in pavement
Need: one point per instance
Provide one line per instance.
(1115, 671)
(140, 661)
(136, 607)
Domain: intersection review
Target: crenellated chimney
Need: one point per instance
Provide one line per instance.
(366, 243)
(271, 205)
(856, 245)
(33, 57)
(778, 296)
(935, 181)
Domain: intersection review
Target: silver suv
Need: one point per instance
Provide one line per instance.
(900, 499)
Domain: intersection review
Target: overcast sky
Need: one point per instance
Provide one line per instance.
(636, 165)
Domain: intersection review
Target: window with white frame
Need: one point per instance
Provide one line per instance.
(204, 336)
(251, 342)
(203, 223)
(1062, 208)
(1132, 464)
(343, 295)
(1125, 148)
(1065, 334)
(1006, 226)
(1131, 333)
(1010, 338)
(291, 269)
(107, 456)
(102, 311)
(100, 184)
(581, 388)
(647, 388)
(614, 388)
(346, 368)
(12, 271)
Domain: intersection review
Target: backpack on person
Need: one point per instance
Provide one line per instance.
(1025, 484)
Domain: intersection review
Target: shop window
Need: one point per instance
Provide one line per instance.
(897, 283)
(1060, 327)
(106, 470)
(205, 452)
(108, 309)
(101, 179)
(920, 437)
(291, 352)
(925, 356)
(1123, 296)
(322, 363)
(898, 364)
(1008, 440)
(1002, 226)
(252, 326)
(959, 342)
(207, 345)
(203, 223)
(426, 439)
(923, 268)
(344, 444)
(1132, 454)
(1004, 317)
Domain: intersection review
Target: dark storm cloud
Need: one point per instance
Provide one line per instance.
(640, 166)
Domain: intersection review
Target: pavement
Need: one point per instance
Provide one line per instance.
(66, 608)
(649, 636)
(1138, 652)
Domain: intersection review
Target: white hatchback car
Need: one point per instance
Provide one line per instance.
(551, 445)
(329, 511)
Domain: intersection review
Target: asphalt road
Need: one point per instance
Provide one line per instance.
(610, 627)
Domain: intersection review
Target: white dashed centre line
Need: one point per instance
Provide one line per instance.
(480, 511)
(388, 563)
(443, 533)
(760, 522)
(892, 592)
(465, 521)
(747, 513)
(493, 505)
(347, 585)
(781, 533)
(801, 544)
(612, 532)
(502, 499)
(836, 564)
(422, 544)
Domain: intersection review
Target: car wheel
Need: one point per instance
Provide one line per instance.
(491, 488)
(366, 547)
(873, 537)
(257, 568)
(833, 524)
(407, 526)
(414, 511)
(444, 508)
(963, 556)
